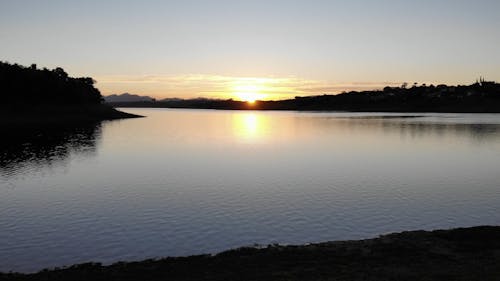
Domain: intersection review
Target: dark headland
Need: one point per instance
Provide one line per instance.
(458, 254)
(38, 96)
(480, 97)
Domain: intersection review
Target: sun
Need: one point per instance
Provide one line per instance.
(248, 97)
(248, 93)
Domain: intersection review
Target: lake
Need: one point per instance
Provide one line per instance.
(184, 182)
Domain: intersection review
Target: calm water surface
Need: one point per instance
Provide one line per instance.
(183, 182)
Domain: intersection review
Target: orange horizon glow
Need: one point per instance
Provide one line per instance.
(249, 89)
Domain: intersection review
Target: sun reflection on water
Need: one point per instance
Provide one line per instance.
(249, 127)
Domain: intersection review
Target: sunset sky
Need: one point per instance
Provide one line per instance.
(269, 49)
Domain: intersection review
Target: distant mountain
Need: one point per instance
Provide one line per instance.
(482, 96)
(126, 97)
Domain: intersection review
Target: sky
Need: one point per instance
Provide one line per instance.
(268, 49)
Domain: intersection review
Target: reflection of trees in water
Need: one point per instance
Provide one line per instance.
(27, 149)
(409, 126)
(476, 132)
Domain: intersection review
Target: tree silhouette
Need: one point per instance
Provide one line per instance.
(29, 85)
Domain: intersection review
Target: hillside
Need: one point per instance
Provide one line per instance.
(30, 94)
(480, 97)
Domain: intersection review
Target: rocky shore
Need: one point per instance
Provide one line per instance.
(457, 254)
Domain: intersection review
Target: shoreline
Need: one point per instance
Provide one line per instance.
(471, 253)
(480, 97)
(60, 114)
(270, 106)
(310, 110)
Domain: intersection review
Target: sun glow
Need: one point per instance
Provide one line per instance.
(247, 89)
(249, 92)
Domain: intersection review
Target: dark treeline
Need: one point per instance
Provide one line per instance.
(482, 96)
(30, 85)
(32, 95)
